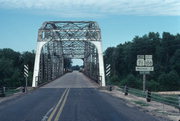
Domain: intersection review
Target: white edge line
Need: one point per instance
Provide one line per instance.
(45, 117)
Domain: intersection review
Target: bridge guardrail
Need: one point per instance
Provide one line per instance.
(173, 100)
(2, 91)
(12, 90)
(7, 91)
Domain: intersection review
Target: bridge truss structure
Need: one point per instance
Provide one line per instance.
(60, 40)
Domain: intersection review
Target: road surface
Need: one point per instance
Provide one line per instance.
(73, 97)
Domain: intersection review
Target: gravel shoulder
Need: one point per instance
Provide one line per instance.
(163, 111)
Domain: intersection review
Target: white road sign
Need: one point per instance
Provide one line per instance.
(148, 56)
(140, 62)
(148, 62)
(144, 68)
(144, 72)
(140, 56)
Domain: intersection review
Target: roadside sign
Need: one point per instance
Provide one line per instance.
(144, 72)
(140, 62)
(26, 71)
(148, 62)
(108, 65)
(148, 56)
(144, 61)
(140, 56)
(144, 68)
(26, 74)
(108, 69)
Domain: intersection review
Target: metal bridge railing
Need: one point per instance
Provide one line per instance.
(172, 100)
(7, 91)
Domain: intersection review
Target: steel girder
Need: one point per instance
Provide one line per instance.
(70, 30)
(51, 61)
(68, 39)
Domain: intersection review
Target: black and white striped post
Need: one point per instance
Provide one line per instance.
(108, 73)
(26, 74)
(108, 70)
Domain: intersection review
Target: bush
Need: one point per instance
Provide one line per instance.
(114, 79)
(153, 85)
(169, 82)
(163, 81)
(173, 79)
(130, 81)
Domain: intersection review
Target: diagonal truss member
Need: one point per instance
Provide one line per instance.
(58, 40)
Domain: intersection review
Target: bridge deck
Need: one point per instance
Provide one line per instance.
(74, 79)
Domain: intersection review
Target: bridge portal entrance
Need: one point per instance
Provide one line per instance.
(61, 40)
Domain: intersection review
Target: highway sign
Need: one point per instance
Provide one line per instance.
(144, 72)
(140, 56)
(148, 56)
(148, 62)
(144, 68)
(144, 61)
(140, 62)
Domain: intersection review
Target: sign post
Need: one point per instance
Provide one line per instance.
(144, 82)
(26, 74)
(144, 66)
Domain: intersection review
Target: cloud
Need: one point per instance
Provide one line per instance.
(97, 8)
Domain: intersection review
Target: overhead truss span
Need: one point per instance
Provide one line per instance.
(61, 40)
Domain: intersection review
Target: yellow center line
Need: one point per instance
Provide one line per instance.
(52, 114)
(62, 106)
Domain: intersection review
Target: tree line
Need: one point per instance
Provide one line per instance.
(165, 49)
(12, 67)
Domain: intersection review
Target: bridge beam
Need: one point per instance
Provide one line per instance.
(37, 62)
(98, 45)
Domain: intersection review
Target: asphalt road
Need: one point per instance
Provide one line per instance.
(72, 97)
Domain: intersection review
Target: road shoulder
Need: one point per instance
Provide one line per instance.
(159, 110)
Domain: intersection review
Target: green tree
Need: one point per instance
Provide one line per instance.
(67, 63)
(11, 67)
(166, 59)
(169, 81)
(175, 61)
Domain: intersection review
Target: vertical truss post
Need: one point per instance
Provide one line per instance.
(37, 62)
(101, 61)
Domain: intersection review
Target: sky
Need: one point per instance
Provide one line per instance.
(119, 20)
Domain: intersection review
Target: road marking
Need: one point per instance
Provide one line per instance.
(54, 111)
(46, 115)
(62, 106)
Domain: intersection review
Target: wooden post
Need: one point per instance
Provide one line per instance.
(144, 82)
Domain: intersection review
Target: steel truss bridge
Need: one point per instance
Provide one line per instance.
(60, 40)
